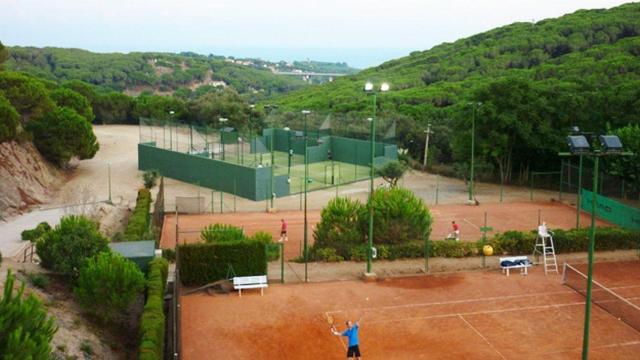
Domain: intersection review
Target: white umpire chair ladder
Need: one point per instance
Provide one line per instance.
(544, 246)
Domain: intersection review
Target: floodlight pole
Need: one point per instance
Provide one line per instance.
(373, 140)
(579, 201)
(273, 166)
(306, 182)
(473, 149)
(109, 179)
(592, 241)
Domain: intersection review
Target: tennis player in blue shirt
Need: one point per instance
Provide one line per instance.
(352, 333)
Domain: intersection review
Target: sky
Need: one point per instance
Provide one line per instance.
(362, 33)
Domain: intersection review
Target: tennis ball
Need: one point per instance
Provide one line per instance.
(487, 250)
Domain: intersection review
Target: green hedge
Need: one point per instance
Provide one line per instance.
(152, 321)
(139, 220)
(204, 263)
(507, 243)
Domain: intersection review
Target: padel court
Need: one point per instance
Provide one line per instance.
(471, 315)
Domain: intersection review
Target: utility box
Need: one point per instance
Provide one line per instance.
(140, 252)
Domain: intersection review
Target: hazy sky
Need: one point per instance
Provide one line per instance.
(360, 32)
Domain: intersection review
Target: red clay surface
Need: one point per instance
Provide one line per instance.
(502, 217)
(479, 315)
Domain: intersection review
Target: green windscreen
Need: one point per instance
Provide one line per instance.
(612, 211)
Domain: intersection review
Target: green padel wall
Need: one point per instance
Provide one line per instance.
(213, 174)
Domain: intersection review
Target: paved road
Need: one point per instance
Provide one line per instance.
(10, 242)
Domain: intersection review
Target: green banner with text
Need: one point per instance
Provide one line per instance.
(611, 210)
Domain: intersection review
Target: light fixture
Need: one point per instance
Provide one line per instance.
(384, 87)
(611, 143)
(578, 144)
(575, 129)
(286, 128)
(306, 112)
(368, 86)
(369, 119)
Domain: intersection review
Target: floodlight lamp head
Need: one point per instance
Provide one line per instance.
(306, 112)
(369, 119)
(578, 144)
(575, 129)
(611, 143)
(384, 87)
(286, 128)
(368, 86)
(223, 119)
(172, 112)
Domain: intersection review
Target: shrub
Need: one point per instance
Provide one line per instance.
(152, 321)
(35, 233)
(204, 263)
(399, 216)
(222, 233)
(169, 254)
(273, 249)
(139, 220)
(328, 255)
(338, 227)
(26, 328)
(150, 177)
(67, 248)
(38, 280)
(108, 285)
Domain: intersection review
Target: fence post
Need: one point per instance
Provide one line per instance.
(282, 263)
(539, 216)
(426, 253)
(301, 193)
(484, 239)
(531, 175)
(561, 178)
(221, 201)
(437, 187)
(212, 208)
(234, 195)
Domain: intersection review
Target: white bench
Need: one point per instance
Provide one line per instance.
(250, 282)
(523, 267)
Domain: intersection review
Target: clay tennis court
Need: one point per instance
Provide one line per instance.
(479, 315)
(502, 217)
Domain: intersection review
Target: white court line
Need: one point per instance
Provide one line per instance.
(630, 343)
(470, 223)
(482, 336)
(486, 312)
(492, 298)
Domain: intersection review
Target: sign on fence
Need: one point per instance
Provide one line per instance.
(612, 211)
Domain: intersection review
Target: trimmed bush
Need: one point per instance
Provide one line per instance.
(67, 248)
(152, 321)
(108, 285)
(222, 233)
(35, 233)
(26, 330)
(339, 227)
(139, 220)
(507, 243)
(204, 263)
(273, 249)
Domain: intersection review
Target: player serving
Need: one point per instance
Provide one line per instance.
(352, 333)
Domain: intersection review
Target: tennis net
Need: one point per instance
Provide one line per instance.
(602, 296)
